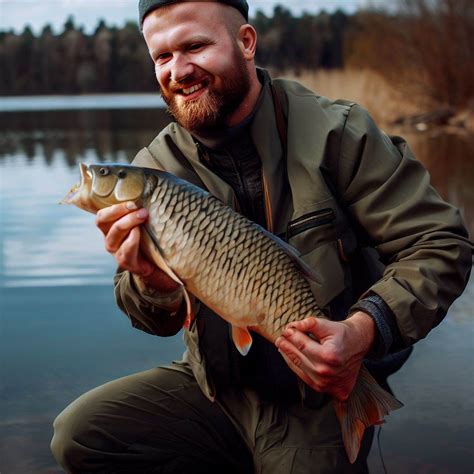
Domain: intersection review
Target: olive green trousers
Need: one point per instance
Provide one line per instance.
(158, 421)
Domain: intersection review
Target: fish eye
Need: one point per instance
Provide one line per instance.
(103, 171)
(122, 174)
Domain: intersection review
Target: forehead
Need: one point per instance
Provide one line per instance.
(174, 21)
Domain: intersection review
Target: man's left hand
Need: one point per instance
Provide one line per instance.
(327, 355)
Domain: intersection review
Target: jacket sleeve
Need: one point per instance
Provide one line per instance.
(420, 237)
(149, 311)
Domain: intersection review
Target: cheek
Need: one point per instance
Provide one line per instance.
(158, 74)
(211, 62)
(161, 74)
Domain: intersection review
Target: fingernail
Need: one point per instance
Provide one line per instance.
(288, 332)
(131, 206)
(278, 341)
(142, 213)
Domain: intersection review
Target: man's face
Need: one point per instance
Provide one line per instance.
(201, 71)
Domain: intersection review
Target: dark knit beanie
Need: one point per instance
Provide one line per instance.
(146, 6)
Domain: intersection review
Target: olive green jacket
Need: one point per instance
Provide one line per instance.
(341, 183)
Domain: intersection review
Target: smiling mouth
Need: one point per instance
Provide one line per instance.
(192, 90)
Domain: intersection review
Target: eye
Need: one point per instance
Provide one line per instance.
(103, 171)
(196, 46)
(162, 58)
(121, 174)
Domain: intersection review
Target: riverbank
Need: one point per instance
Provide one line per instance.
(392, 109)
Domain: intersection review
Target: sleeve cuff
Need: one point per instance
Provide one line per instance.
(168, 301)
(388, 334)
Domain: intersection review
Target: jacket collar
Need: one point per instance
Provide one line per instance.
(264, 133)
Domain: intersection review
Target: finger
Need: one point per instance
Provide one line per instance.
(297, 370)
(313, 349)
(318, 327)
(298, 358)
(121, 228)
(313, 382)
(307, 358)
(127, 254)
(108, 215)
(301, 340)
(305, 325)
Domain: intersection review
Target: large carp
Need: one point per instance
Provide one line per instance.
(249, 277)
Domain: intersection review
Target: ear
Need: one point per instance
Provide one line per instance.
(247, 41)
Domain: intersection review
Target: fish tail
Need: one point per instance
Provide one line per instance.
(367, 405)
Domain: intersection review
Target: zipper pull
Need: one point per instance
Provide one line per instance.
(202, 153)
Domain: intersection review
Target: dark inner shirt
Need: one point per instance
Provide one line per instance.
(231, 154)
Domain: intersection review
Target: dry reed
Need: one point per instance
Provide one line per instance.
(365, 87)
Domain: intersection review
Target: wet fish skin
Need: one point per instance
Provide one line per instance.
(247, 276)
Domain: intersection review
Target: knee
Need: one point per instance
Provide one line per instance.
(62, 444)
(61, 440)
(70, 427)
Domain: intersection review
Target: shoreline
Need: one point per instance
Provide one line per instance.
(47, 103)
(388, 108)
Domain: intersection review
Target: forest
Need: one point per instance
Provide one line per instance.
(425, 47)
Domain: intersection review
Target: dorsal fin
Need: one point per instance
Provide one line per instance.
(151, 249)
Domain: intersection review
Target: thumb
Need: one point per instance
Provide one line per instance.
(318, 327)
(324, 328)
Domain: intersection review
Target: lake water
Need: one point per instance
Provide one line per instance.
(61, 333)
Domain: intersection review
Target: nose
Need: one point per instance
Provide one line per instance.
(181, 69)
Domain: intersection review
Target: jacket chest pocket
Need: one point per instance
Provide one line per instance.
(310, 221)
(316, 235)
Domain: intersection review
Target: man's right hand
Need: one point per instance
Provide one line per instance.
(120, 225)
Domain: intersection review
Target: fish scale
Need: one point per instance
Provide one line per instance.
(244, 274)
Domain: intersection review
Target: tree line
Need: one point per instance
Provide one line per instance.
(113, 59)
(424, 47)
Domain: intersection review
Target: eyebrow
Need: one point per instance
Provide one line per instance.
(198, 38)
(195, 39)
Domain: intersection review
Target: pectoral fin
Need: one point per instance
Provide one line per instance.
(190, 313)
(242, 339)
(152, 251)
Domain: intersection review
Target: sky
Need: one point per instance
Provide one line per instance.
(16, 14)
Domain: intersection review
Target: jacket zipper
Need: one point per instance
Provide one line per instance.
(268, 204)
(308, 221)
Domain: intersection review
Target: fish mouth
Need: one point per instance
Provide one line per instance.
(86, 175)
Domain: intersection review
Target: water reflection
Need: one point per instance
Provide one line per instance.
(108, 135)
(43, 243)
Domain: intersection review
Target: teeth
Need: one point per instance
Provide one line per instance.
(192, 89)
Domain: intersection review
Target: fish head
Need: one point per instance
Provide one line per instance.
(105, 184)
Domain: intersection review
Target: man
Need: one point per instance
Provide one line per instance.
(317, 173)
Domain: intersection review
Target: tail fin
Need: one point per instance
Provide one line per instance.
(367, 404)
